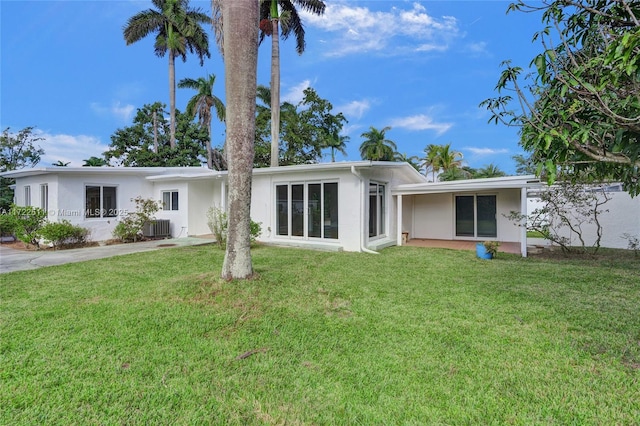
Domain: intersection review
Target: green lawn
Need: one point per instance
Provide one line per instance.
(410, 336)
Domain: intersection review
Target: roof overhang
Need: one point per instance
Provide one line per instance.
(469, 185)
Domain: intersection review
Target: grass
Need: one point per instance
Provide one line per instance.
(411, 336)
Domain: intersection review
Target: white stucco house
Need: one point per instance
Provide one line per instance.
(351, 206)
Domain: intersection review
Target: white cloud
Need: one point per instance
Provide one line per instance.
(420, 122)
(123, 113)
(486, 151)
(73, 149)
(361, 30)
(354, 109)
(295, 94)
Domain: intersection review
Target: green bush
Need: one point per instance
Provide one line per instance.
(64, 233)
(28, 222)
(130, 227)
(218, 223)
(7, 225)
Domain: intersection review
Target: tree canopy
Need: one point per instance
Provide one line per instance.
(134, 145)
(305, 129)
(579, 110)
(17, 151)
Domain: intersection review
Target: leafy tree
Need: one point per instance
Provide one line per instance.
(376, 146)
(178, 31)
(94, 162)
(270, 20)
(134, 145)
(201, 104)
(524, 165)
(306, 128)
(241, 64)
(488, 171)
(579, 111)
(17, 151)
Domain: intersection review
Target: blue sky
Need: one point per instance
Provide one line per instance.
(421, 67)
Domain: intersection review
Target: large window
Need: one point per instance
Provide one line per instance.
(100, 201)
(476, 216)
(308, 210)
(170, 200)
(377, 210)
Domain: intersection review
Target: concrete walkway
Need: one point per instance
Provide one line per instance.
(19, 260)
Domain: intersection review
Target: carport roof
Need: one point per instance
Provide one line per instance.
(468, 185)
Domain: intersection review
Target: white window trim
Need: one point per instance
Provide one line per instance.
(475, 216)
(305, 225)
(116, 210)
(170, 192)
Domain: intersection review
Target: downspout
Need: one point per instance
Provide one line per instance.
(362, 211)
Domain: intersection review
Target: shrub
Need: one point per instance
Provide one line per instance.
(7, 225)
(218, 223)
(130, 226)
(28, 222)
(64, 233)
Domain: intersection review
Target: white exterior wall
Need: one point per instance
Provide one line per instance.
(263, 208)
(71, 200)
(622, 216)
(203, 194)
(178, 222)
(434, 215)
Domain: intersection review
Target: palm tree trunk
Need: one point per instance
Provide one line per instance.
(172, 99)
(209, 153)
(241, 63)
(275, 92)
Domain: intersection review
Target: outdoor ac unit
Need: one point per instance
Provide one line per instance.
(159, 228)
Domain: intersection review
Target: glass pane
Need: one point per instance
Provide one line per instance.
(381, 204)
(174, 200)
(314, 207)
(92, 206)
(487, 226)
(373, 210)
(297, 210)
(464, 216)
(166, 201)
(109, 207)
(44, 197)
(331, 210)
(282, 217)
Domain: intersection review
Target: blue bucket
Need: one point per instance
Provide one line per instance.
(481, 252)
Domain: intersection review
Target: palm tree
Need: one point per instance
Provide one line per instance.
(337, 143)
(241, 64)
(270, 20)
(201, 104)
(449, 159)
(94, 162)
(178, 30)
(431, 160)
(61, 163)
(376, 147)
(489, 171)
(414, 160)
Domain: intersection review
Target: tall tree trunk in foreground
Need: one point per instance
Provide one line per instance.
(241, 62)
(275, 86)
(172, 99)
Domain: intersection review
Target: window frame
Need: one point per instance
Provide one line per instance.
(104, 213)
(302, 213)
(44, 196)
(381, 210)
(476, 235)
(172, 203)
(27, 195)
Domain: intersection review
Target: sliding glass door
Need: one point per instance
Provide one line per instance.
(476, 216)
